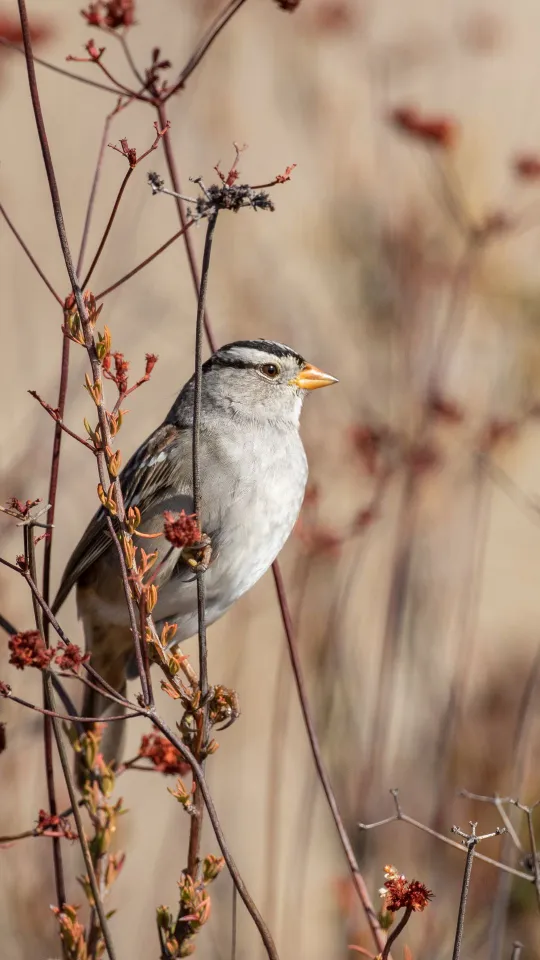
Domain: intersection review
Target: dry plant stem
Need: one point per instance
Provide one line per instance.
(93, 191)
(29, 552)
(213, 31)
(195, 831)
(175, 180)
(65, 73)
(110, 222)
(395, 933)
(128, 276)
(198, 774)
(517, 947)
(72, 718)
(399, 815)
(471, 843)
(33, 261)
(357, 877)
(88, 338)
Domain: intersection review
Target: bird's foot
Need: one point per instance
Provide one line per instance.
(198, 555)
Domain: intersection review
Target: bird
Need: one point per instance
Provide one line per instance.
(253, 474)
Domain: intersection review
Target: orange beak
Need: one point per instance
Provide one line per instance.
(311, 377)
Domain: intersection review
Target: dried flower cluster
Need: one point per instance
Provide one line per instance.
(28, 649)
(53, 825)
(110, 13)
(163, 755)
(399, 893)
(181, 530)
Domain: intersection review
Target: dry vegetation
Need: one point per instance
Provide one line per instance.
(402, 256)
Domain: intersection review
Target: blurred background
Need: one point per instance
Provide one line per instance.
(402, 258)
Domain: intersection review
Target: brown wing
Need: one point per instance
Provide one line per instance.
(160, 466)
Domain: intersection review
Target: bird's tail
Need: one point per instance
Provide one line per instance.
(110, 649)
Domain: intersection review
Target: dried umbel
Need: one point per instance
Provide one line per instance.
(399, 893)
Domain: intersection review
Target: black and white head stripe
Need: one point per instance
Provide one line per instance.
(251, 353)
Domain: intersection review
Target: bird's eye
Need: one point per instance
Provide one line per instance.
(270, 370)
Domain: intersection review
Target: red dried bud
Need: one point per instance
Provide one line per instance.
(164, 756)
(433, 131)
(183, 530)
(5, 689)
(527, 166)
(151, 360)
(50, 825)
(71, 657)
(28, 650)
(403, 893)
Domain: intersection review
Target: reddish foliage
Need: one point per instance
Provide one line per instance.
(28, 650)
(445, 409)
(163, 755)
(527, 166)
(71, 657)
(368, 441)
(423, 457)
(286, 175)
(10, 28)
(433, 131)
(318, 539)
(183, 530)
(50, 825)
(110, 13)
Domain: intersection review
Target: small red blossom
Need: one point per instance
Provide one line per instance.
(21, 509)
(527, 166)
(151, 360)
(21, 562)
(28, 650)
(50, 825)
(71, 657)
(110, 13)
(433, 131)
(182, 530)
(409, 894)
(164, 756)
(121, 366)
(286, 175)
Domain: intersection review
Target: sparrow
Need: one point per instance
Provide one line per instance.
(253, 472)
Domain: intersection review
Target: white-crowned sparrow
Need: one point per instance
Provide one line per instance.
(253, 476)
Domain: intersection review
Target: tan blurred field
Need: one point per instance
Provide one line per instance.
(419, 631)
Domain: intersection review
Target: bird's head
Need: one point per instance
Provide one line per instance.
(262, 378)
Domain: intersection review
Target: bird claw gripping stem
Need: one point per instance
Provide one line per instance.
(198, 555)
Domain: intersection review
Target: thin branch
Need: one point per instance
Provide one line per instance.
(74, 718)
(400, 816)
(30, 556)
(175, 180)
(110, 222)
(32, 259)
(57, 417)
(65, 73)
(198, 773)
(358, 879)
(213, 31)
(128, 276)
(396, 932)
(470, 841)
(93, 189)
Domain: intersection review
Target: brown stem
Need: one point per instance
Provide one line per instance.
(65, 73)
(358, 879)
(128, 276)
(110, 222)
(395, 933)
(93, 190)
(213, 31)
(32, 259)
